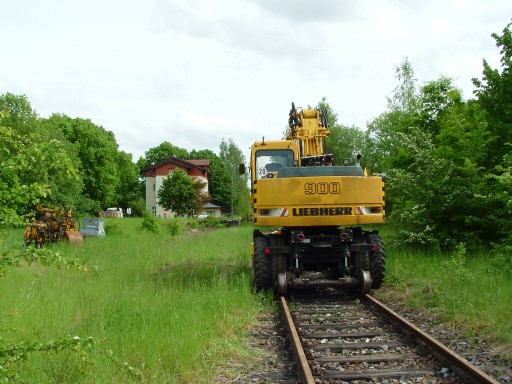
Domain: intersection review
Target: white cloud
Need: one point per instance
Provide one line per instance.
(193, 72)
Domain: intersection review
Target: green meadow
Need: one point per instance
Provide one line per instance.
(471, 293)
(159, 308)
(177, 306)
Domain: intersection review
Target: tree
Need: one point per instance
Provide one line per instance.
(345, 142)
(36, 166)
(436, 98)
(97, 151)
(232, 157)
(219, 180)
(128, 191)
(17, 197)
(201, 196)
(19, 114)
(429, 145)
(494, 93)
(448, 160)
(160, 153)
(178, 193)
(383, 134)
(502, 194)
(494, 96)
(424, 194)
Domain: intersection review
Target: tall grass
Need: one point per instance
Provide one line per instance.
(468, 292)
(173, 308)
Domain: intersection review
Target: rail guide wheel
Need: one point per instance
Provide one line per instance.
(365, 282)
(282, 284)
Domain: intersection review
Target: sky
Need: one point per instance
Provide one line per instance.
(194, 72)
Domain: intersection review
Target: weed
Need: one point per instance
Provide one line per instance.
(163, 309)
(455, 267)
(173, 226)
(150, 223)
(211, 222)
(456, 289)
(113, 227)
(501, 259)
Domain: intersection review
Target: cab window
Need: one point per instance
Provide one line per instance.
(269, 161)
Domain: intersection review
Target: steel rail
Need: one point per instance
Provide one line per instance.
(303, 370)
(457, 363)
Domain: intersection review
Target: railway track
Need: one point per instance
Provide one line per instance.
(351, 340)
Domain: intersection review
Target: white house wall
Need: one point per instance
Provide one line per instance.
(152, 195)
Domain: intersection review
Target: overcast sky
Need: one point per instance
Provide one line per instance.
(194, 71)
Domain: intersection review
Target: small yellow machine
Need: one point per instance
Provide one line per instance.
(317, 211)
(52, 224)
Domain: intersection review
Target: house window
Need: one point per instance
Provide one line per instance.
(154, 187)
(154, 211)
(171, 171)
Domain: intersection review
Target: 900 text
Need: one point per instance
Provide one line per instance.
(322, 188)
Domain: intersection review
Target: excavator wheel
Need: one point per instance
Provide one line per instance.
(361, 263)
(261, 264)
(377, 261)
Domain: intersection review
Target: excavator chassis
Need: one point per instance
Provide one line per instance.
(297, 259)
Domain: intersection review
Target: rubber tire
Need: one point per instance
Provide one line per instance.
(361, 263)
(377, 261)
(261, 264)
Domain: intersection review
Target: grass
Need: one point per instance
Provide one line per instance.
(469, 293)
(174, 308)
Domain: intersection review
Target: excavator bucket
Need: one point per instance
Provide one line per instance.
(74, 237)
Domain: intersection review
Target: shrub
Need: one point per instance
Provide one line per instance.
(425, 196)
(113, 227)
(211, 222)
(456, 265)
(173, 226)
(150, 223)
(502, 259)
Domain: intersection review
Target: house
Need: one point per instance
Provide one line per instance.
(157, 172)
(212, 209)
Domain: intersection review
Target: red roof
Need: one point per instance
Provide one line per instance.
(187, 164)
(202, 163)
(190, 166)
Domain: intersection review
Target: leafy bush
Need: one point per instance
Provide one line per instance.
(45, 257)
(211, 222)
(502, 259)
(113, 227)
(80, 353)
(150, 223)
(173, 226)
(426, 195)
(456, 266)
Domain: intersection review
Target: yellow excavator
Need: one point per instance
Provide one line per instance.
(52, 225)
(310, 213)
